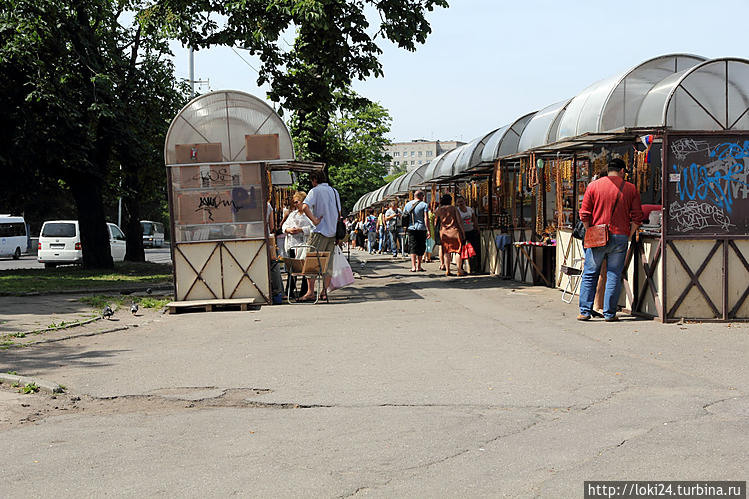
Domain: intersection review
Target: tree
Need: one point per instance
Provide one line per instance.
(74, 76)
(356, 138)
(333, 45)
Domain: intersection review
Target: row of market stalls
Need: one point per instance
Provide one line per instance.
(680, 122)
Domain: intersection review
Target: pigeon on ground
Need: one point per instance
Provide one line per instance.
(134, 308)
(107, 312)
(148, 291)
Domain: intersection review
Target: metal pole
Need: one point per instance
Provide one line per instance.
(192, 73)
(119, 203)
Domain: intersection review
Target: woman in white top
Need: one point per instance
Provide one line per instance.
(297, 227)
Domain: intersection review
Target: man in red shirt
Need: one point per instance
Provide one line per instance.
(609, 200)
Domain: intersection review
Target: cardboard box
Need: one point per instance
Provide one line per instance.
(313, 264)
(199, 153)
(262, 147)
(186, 177)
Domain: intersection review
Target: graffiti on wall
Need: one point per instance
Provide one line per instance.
(709, 184)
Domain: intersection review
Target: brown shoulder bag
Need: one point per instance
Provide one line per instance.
(597, 236)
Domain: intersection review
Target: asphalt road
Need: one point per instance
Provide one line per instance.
(406, 385)
(156, 255)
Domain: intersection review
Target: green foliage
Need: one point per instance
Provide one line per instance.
(30, 388)
(83, 91)
(334, 44)
(356, 138)
(98, 302)
(125, 275)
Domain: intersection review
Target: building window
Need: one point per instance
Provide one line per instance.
(412, 161)
(429, 153)
(396, 153)
(412, 155)
(420, 161)
(419, 155)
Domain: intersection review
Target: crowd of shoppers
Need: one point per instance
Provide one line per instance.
(416, 229)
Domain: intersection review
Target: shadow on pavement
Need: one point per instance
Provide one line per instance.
(34, 360)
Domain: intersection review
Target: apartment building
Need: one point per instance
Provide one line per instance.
(417, 152)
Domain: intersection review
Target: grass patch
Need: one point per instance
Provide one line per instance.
(98, 302)
(74, 278)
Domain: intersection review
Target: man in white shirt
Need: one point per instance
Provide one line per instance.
(323, 207)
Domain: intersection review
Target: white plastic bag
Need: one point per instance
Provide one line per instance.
(340, 274)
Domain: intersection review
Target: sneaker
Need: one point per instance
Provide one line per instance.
(583, 317)
(613, 318)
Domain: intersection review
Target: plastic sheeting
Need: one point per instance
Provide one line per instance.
(541, 129)
(225, 117)
(447, 167)
(612, 103)
(432, 167)
(505, 141)
(711, 96)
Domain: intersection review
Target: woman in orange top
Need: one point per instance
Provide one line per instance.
(452, 233)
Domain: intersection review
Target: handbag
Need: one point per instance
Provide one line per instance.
(340, 228)
(467, 251)
(597, 236)
(579, 231)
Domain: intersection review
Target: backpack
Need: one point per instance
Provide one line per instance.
(408, 214)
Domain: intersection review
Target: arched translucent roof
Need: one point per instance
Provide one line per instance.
(414, 178)
(432, 167)
(389, 188)
(358, 205)
(447, 167)
(713, 95)
(470, 156)
(378, 195)
(612, 103)
(504, 141)
(366, 202)
(540, 128)
(400, 184)
(225, 117)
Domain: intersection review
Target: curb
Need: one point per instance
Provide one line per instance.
(46, 386)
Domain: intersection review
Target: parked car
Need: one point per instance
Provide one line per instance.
(153, 233)
(60, 243)
(13, 237)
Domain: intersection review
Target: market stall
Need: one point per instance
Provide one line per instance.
(219, 152)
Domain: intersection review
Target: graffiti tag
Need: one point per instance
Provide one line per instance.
(692, 216)
(683, 147)
(210, 203)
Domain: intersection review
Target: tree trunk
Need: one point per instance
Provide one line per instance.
(133, 231)
(92, 222)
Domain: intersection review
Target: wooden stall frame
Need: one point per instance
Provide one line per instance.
(721, 242)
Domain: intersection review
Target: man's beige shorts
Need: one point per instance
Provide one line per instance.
(322, 243)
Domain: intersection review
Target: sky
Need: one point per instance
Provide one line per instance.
(488, 62)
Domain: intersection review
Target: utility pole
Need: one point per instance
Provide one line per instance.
(193, 81)
(192, 73)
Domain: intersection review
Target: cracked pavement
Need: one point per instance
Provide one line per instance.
(404, 386)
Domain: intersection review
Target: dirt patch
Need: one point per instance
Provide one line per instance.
(121, 320)
(18, 409)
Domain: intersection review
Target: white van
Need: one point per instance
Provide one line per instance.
(153, 233)
(13, 237)
(60, 243)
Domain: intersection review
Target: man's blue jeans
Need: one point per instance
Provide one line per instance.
(383, 241)
(614, 253)
(393, 235)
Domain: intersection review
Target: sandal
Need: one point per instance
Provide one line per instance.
(412, 270)
(421, 270)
